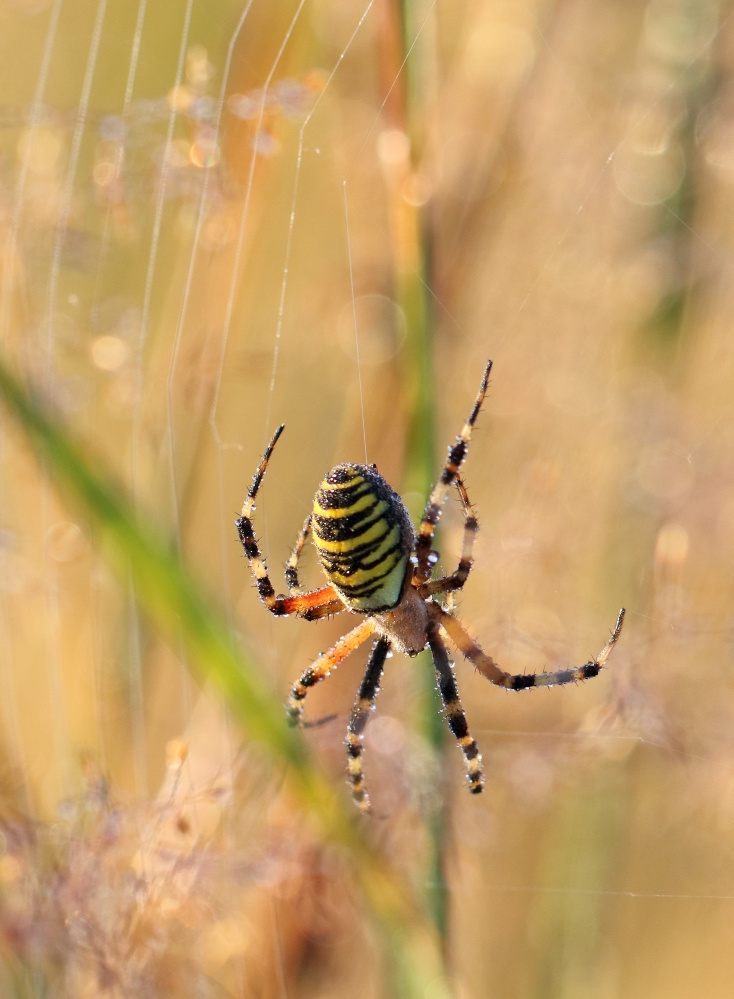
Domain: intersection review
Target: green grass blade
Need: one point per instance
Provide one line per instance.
(176, 608)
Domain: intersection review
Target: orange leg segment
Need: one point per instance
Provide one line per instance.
(326, 662)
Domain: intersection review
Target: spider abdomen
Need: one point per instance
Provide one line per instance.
(363, 536)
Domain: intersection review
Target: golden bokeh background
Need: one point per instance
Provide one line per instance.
(218, 217)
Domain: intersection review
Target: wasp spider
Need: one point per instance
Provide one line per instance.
(378, 567)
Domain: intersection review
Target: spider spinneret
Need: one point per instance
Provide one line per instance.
(377, 566)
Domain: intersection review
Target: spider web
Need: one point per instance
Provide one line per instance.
(217, 218)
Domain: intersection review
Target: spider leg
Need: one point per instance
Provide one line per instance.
(291, 566)
(457, 453)
(364, 703)
(294, 585)
(454, 711)
(317, 603)
(486, 665)
(326, 662)
(457, 578)
(317, 609)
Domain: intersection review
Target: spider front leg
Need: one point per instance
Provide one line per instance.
(319, 670)
(292, 581)
(457, 578)
(291, 566)
(315, 604)
(434, 507)
(454, 711)
(364, 703)
(486, 665)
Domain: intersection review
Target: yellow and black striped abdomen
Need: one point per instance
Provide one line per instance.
(363, 536)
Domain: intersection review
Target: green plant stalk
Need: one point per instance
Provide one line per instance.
(421, 473)
(176, 608)
(412, 269)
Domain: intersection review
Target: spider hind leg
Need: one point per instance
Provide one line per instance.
(454, 711)
(368, 691)
(489, 669)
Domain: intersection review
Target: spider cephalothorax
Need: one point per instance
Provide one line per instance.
(378, 567)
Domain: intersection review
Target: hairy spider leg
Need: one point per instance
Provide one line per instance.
(457, 578)
(315, 604)
(454, 711)
(291, 566)
(294, 584)
(326, 662)
(365, 702)
(486, 665)
(434, 507)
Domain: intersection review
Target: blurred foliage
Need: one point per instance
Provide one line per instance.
(197, 206)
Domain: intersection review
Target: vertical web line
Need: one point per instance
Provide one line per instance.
(137, 699)
(354, 318)
(201, 214)
(294, 200)
(188, 285)
(153, 252)
(229, 309)
(51, 589)
(10, 254)
(95, 612)
(178, 336)
(10, 704)
(65, 212)
(125, 114)
(348, 235)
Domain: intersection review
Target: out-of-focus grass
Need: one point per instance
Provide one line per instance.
(171, 601)
(566, 202)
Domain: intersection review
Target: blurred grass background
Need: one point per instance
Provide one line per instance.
(548, 185)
